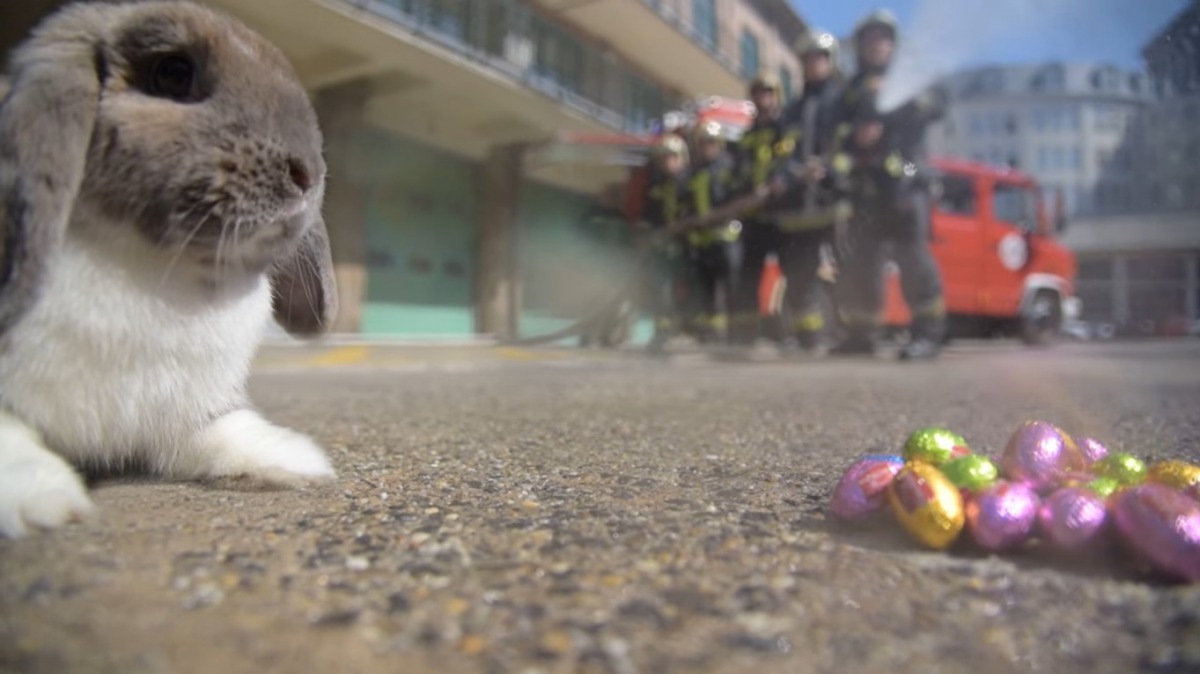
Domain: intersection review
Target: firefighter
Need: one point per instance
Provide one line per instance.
(890, 201)
(664, 204)
(715, 249)
(823, 82)
(756, 155)
(812, 199)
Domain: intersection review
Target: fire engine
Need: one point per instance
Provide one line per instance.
(994, 234)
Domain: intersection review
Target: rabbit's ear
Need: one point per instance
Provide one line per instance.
(46, 124)
(306, 297)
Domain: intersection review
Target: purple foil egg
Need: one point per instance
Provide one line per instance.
(1003, 515)
(1071, 518)
(862, 489)
(1162, 526)
(1093, 450)
(1041, 454)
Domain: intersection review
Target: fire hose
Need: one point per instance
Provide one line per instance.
(645, 257)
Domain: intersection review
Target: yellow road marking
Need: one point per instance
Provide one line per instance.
(346, 355)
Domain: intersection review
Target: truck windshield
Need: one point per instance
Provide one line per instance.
(1016, 205)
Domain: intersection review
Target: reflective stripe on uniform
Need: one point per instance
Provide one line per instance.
(810, 322)
(935, 308)
(712, 235)
(861, 319)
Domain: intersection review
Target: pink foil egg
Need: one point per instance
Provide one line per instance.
(1003, 515)
(1071, 518)
(1162, 526)
(1041, 454)
(862, 489)
(1093, 450)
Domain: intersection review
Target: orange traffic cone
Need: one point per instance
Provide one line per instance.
(771, 288)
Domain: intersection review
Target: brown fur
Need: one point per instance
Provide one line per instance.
(208, 176)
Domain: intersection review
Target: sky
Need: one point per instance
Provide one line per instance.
(1015, 31)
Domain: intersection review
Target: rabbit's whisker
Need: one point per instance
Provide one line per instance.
(187, 240)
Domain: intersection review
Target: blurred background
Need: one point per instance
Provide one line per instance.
(469, 140)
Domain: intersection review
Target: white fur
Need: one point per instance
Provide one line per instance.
(125, 357)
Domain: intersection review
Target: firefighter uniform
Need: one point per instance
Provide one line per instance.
(715, 251)
(805, 211)
(668, 272)
(889, 193)
(806, 216)
(756, 156)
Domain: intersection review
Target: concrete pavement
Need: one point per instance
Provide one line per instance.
(550, 511)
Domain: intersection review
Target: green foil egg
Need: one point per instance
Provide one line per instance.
(935, 446)
(1104, 486)
(971, 472)
(1125, 468)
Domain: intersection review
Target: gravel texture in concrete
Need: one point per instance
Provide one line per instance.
(610, 515)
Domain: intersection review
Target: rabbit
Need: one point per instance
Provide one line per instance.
(161, 184)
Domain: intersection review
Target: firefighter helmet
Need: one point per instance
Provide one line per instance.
(818, 40)
(709, 130)
(671, 144)
(766, 80)
(881, 18)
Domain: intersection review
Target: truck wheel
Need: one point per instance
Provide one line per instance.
(1042, 319)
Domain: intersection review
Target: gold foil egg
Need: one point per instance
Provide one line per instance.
(927, 504)
(1178, 475)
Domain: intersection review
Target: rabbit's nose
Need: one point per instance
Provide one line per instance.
(301, 175)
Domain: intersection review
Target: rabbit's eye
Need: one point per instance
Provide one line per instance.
(173, 77)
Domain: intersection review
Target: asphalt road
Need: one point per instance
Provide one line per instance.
(543, 512)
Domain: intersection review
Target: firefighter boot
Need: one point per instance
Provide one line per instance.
(859, 341)
(928, 333)
(808, 333)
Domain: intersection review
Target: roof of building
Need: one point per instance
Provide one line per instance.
(1097, 80)
(781, 15)
(1134, 233)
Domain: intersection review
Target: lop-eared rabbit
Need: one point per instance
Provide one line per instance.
(161, 181)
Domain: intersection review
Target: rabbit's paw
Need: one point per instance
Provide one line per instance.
(243, 444)
(37, 487)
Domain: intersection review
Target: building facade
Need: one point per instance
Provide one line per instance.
(1066, 124)
(1140, 269)
(443, 223)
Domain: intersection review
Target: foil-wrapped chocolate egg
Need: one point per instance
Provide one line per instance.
(971, 473)
(1103, 486)
(1003, 515)
(1041, 454)
(863, 488)
(1178, 475)
(926, 504)
(1072, 517)
(1162, 526)
(1126, 469)
(935, 446)
(1093, 450)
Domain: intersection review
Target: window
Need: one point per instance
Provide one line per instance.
(957, 196)
(1076, 158)
(704, 18)
(749, 54)
(785, 81)
(1015, 205)
(975, 124)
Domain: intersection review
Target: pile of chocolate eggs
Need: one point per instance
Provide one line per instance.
(1066, 493)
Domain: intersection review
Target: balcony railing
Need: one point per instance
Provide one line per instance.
(506, 37)
(703, 30)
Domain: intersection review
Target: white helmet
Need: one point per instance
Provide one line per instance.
(818, 40)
